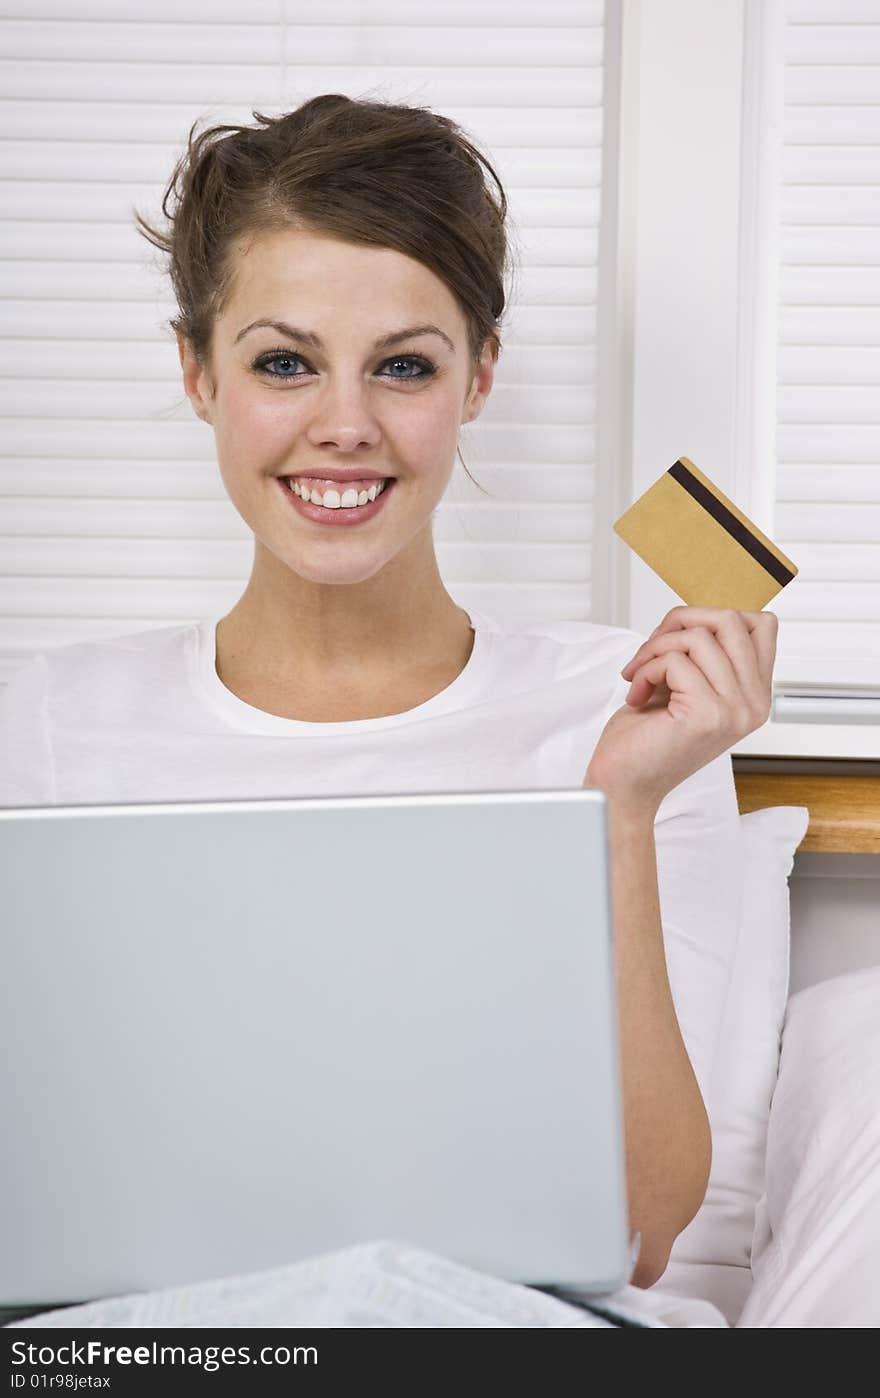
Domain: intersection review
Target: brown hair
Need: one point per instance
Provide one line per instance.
(369, 172)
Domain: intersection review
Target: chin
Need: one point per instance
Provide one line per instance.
(342, 572)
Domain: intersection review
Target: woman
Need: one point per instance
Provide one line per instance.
(339, 273)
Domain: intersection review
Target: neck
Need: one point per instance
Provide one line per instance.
(387, 629)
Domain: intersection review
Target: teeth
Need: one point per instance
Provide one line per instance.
(331, 499)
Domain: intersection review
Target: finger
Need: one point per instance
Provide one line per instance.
(748, 637)
(676, 620)
(705, 652)
(687, 685)
(733, 636)
(681, 617)
(763, 630)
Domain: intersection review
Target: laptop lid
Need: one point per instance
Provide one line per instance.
(238, 1034)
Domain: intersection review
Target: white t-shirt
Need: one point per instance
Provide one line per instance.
(144, 717)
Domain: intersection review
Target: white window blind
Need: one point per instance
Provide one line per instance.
(113, 517)
(828, 404)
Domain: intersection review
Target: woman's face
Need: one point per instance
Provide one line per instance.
(284, 407)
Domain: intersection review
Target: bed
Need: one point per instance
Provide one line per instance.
(790, 1226)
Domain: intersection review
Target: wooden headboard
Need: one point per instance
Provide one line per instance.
(843, 798)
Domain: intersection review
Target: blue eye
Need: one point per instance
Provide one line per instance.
(261, 365)
(424, 365)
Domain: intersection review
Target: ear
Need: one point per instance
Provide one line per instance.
(481, 386)
(195, 380)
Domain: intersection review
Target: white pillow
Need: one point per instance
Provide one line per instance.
(817, 1239)
(711, 1257)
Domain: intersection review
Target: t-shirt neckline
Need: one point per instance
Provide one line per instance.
(244, 716)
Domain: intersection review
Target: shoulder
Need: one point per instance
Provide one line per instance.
(562, 631)
(567, 647)
(94, 667)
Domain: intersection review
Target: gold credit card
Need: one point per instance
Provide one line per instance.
(701, 545)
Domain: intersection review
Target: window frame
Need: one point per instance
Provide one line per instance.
(707, 77)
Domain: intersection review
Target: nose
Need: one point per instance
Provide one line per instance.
(341, 417)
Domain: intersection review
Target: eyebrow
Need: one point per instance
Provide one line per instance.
(308, 337)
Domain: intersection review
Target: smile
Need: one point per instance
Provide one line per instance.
(335, 495)
(354, 505)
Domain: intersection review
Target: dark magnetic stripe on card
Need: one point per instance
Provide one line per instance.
(728, 521)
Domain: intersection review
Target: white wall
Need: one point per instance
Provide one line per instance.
(835, 915)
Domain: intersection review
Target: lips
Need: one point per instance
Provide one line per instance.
(340, 517)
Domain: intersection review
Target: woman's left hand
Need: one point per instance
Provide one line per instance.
(700, 682)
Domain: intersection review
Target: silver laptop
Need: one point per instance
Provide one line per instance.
(234, 1035)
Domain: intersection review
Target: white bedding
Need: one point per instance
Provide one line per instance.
(816, 1248)
(377, 1285)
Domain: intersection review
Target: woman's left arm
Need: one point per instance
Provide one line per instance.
(701, 681)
